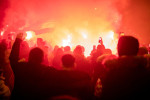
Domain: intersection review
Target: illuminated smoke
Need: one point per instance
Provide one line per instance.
(84, 20)
(4, 4)
(136, 20)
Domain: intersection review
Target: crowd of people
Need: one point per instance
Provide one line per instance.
(43, 73)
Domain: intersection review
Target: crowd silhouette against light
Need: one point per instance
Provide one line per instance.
(74, 50)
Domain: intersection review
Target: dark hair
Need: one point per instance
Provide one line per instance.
(68, 60)
(128, 45)
(36, 55)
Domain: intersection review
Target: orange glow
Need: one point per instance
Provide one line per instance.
(84, 34)
(86, 37)
(75, 22)
(31, 38)
(82, 37)
(121, 34)
(110, 41)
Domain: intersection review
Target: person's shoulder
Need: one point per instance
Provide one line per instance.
(48, 68)
(134, 61)
(22, 64)
(48, 72)
(82, 74)
(74, 74)
(109, 61)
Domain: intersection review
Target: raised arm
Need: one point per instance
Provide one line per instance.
(14, 55)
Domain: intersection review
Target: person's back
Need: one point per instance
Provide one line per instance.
(56, 62)
(73, 82)
(28, 75)
(127, 76)
(81, 61)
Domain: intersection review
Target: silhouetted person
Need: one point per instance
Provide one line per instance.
(128, 46)
(72, 82)
(82, 63)
(99, 51)
(100, 73)
(24, 51)
(28, 75)
(142, 51)
(5, 66)
(107, 51)
(127, 77)
(57, 58)
(93, 50)
(67, 50)
(40, 43)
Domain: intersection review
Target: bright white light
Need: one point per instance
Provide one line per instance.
(29, 35)
(84, 34)
(66, 42)
(2, 32)
(110, 41)
(111, 34)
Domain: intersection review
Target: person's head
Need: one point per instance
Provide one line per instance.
(40, 42)
(24, 50)
(67, 48)
(36, 55)
(68, 61)
(107, 51)
(128, 46)
(100, 49)
(79, 50)
(59, 51)
(142, 51)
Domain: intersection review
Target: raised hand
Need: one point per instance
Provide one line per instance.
(20, 36)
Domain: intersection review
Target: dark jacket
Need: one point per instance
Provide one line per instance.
(127, 78)
(74, 83)
(28, 76)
